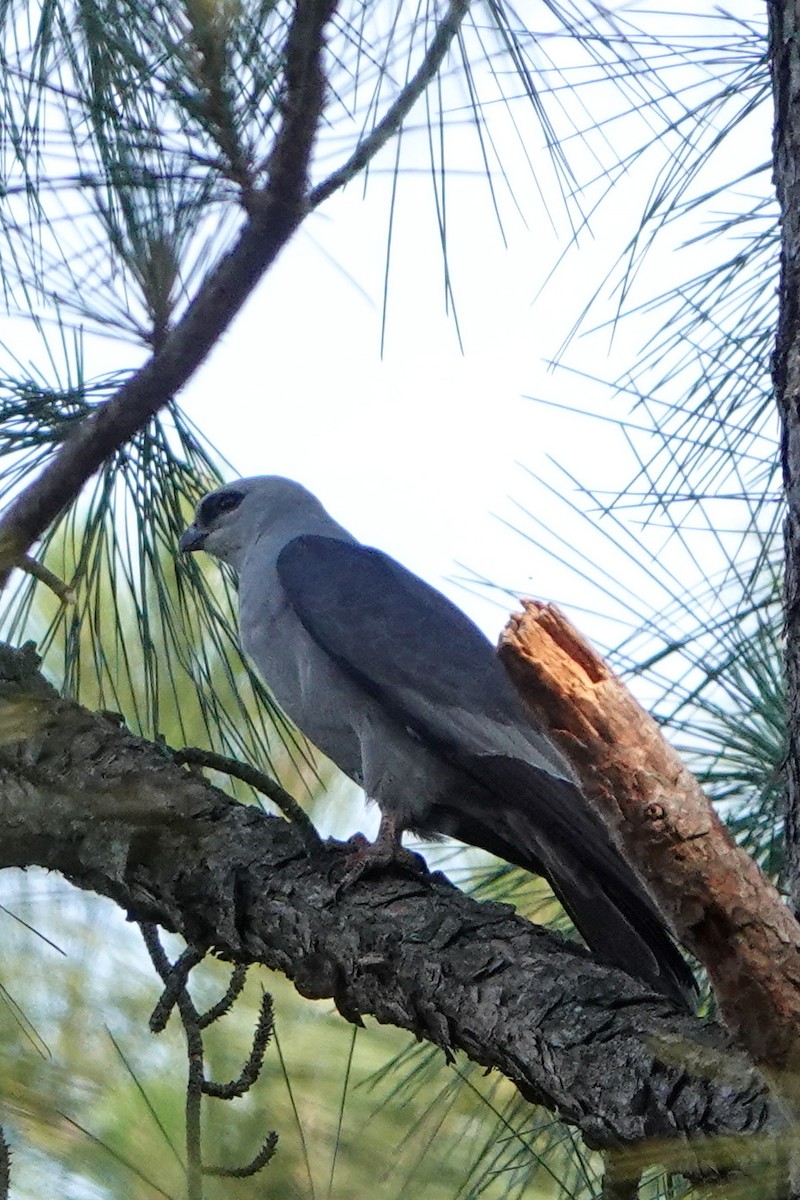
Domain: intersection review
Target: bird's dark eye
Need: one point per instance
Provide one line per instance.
(215, 505)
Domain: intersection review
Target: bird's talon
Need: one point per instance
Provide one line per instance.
(359, 841)
(373, 857)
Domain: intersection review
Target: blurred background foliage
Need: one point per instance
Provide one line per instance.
(130, 132)
(94, 1103)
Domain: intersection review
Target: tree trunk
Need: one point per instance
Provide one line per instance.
(784, 37)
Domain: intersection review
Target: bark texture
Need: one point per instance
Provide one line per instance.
(784, 34)
(721, 906)
(113, 813)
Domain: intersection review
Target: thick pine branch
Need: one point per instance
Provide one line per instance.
(114, 814)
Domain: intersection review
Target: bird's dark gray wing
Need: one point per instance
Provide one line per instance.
(410, 648)
(418, 655)
(415, 653)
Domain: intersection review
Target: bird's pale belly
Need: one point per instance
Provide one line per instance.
(349, 726)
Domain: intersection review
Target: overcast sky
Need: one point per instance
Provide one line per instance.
(418, 448)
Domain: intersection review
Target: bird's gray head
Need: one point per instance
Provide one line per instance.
(229, 521)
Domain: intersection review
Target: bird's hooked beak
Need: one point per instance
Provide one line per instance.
(192, 539)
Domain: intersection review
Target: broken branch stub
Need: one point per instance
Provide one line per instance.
(719, 903)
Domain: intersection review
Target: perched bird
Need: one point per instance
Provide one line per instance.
(399, 688)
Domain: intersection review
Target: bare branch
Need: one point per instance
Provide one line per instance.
(38, 570)
(253, 1167)
(226, 1002)
(392, 120)
(176, 994)
(174, 976)
(194, 756)
(252, 1068)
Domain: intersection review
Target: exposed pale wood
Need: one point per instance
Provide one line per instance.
(721, 906)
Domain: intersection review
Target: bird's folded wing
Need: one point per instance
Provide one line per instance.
(415, 654)
(410, 649)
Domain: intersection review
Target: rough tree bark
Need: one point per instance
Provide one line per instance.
(784, 50)
(113, 813)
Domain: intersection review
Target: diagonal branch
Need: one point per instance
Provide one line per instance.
(274, 213)
(114, 814)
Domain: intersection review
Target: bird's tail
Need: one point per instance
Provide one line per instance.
(618, 920)
(546, 826)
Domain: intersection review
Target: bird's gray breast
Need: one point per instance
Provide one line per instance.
(305, 682)
(332, 708)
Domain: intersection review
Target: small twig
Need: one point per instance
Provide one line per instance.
(151, 940)
(32, 566)
(195, 757)
(194, 1096)
(176, 995)
(252, 1068)
(174, 984)
(253, 1167)
(393, 118)
(223, 1006)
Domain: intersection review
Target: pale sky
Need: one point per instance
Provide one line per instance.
(418, 451)
(422, 447)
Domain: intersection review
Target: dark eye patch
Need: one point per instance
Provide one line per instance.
(221, 502)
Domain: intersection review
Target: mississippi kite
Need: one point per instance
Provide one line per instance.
(399, 688)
